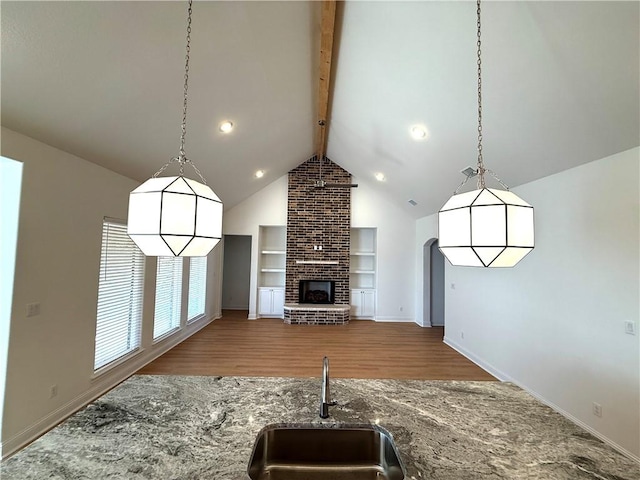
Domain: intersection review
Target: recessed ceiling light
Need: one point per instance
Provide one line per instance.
(418, 132)
(380, 177)
(259, 174)
(226, 126)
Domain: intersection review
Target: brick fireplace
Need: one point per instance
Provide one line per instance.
(318, 240)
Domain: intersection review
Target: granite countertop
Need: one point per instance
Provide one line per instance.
(177, 427)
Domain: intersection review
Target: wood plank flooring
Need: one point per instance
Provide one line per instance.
(235, 346)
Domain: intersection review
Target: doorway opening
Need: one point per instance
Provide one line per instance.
(10, 187)
(433, 281)
(236, 272)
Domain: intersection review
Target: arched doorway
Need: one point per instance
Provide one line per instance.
(433, 284)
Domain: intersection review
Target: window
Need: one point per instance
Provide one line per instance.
(197, 287)
(168, 296)
(120, 290)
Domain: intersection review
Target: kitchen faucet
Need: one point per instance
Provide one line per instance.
(325, 395)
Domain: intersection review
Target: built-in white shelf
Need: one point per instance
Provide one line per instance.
(362, 258)
(272, 245)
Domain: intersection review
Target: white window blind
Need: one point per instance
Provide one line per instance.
(197, 287)
(120, 291)
(168, 295)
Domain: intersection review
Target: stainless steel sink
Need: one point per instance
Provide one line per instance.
(325, 451)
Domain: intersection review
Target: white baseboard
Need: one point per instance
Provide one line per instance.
(252, 316)
(395, 319)
(503, 377)
(99, 387)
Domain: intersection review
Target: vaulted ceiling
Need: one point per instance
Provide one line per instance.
(104, 81)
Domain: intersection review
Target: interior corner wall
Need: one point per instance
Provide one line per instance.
(554, 324)
(266, 207)
(63, 202)
(213, 303)
(396, 231)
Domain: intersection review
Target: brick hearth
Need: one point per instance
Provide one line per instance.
(305, 314)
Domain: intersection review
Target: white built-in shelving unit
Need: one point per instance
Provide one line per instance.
(271, 274)
(362, 274)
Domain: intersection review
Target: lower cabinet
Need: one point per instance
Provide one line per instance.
(271, 302)
(363, 302)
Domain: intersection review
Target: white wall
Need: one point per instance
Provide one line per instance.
(395, 276)
(554, 323)
(395, 241)
(64, 200)
(266, 207)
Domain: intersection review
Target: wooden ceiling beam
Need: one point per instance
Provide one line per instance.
(327, 28)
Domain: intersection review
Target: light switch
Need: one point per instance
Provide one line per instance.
(33, 309)
(630, 327)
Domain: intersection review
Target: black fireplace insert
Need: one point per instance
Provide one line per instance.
(317, 291)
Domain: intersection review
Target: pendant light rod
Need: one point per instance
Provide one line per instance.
(481, 169)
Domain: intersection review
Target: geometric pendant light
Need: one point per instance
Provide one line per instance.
(486, 227)
(176, 216)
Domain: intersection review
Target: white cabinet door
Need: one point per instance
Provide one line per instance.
(368, 303)
(363, 303)
(277, 302)
(356, 303)
(265, 301)
(270, 302)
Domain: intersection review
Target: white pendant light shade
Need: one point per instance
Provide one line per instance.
(174, 216)
(486, 228)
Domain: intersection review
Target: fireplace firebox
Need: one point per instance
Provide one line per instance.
(317, 291)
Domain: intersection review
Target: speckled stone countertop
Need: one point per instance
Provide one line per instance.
(192, 428)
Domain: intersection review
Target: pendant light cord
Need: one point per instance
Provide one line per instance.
(183, 133)
(182, 156)
(481, 169)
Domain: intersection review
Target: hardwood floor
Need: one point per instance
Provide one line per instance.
(235, 346)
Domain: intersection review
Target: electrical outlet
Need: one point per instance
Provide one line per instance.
(33, 309)
(53, 391)
(453, 286)
(597, 409)
(401, 309)
(462, 335)
(630, 327)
